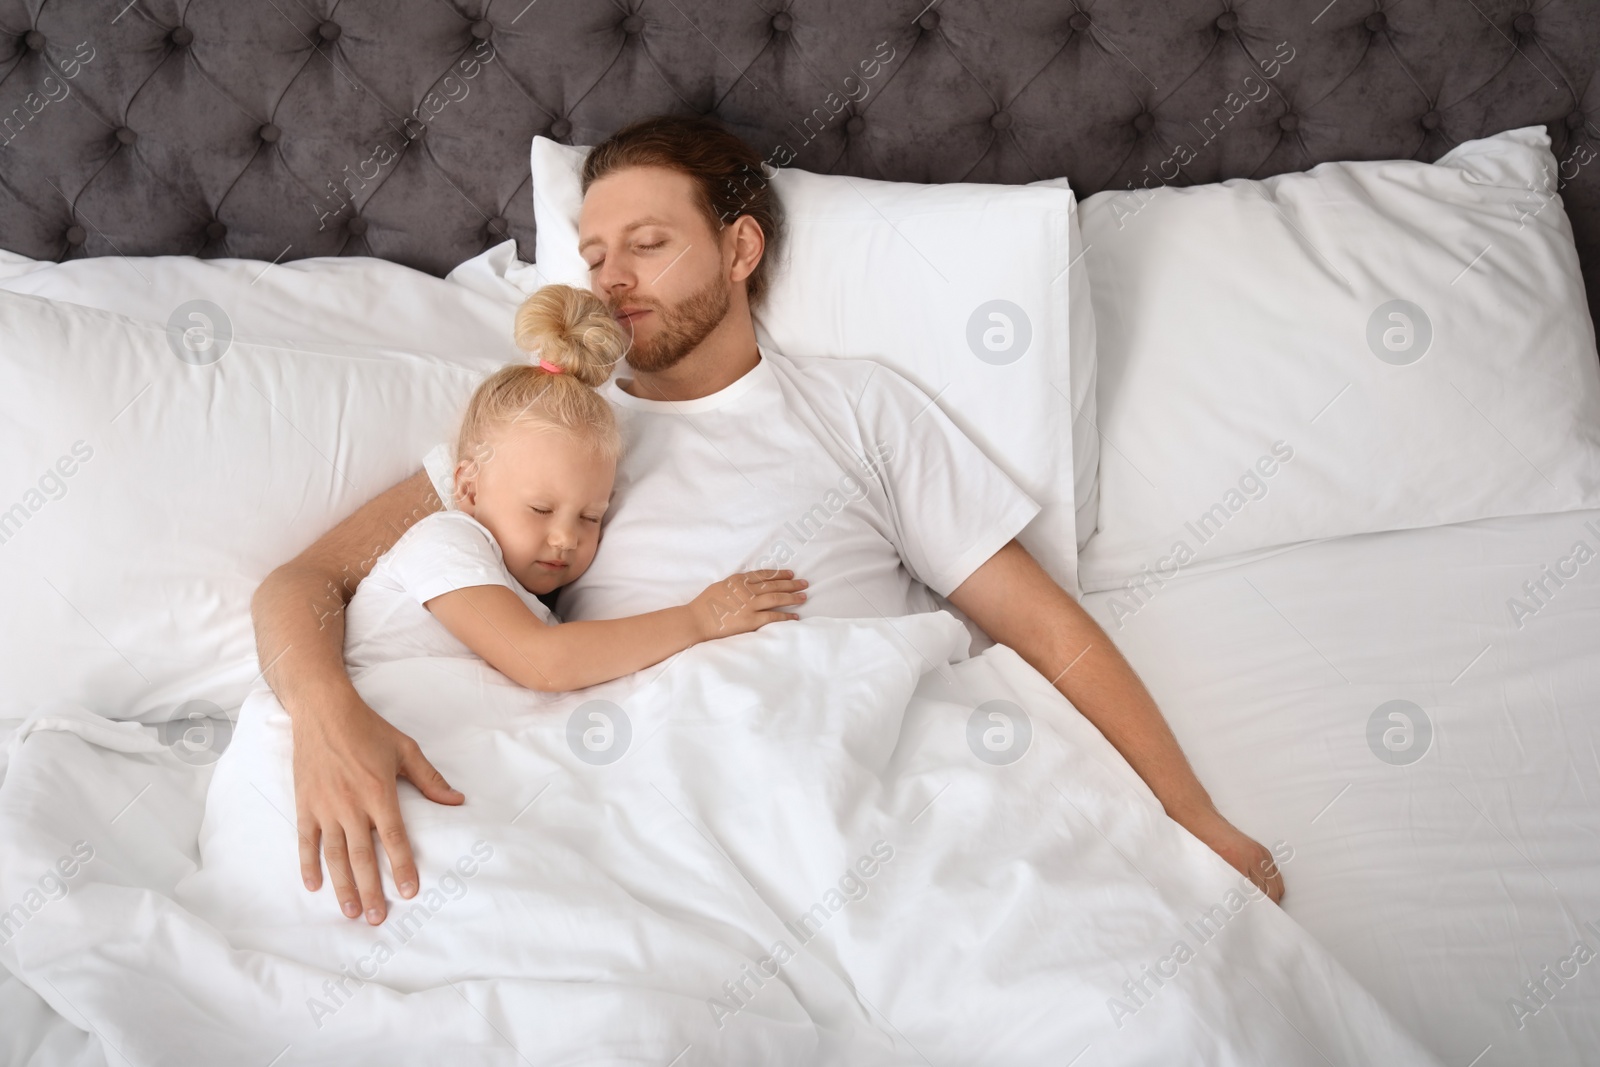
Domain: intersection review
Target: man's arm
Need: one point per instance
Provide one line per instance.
(347, 758)
(1017, 604)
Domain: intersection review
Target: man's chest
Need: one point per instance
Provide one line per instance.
(697, 501)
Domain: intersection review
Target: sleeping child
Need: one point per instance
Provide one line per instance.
(535, 460)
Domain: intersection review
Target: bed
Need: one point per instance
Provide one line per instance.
(1368, 696)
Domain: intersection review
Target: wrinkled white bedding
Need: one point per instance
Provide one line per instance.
(580, 910)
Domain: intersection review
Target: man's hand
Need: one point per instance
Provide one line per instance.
(346, 764)
(1243, 854)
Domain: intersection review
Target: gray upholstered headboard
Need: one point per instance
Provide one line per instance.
(279, 129)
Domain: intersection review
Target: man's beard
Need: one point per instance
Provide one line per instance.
(680, 328)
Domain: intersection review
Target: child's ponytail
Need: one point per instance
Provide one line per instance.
(568, 329)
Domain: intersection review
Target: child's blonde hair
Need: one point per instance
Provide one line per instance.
(572, 329)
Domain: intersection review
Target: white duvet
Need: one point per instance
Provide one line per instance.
(800, 845)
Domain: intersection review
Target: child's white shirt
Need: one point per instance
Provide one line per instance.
(443, 552)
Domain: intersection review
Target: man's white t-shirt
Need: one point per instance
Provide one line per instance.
(839, 469)
(446, 551)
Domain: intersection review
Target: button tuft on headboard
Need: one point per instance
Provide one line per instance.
(482, 29)
(1431, 120)
(329, 31)
(498, 227)
(1289, 123)
(1523, 23)
(1376, 22)
(1000, 120)
(929, 21)
(1080, 21)
(1575, 120)
(34, 40)
(269, 133)
(560, 128)
(855, 125)
(125, 135)
(782, 22)
(633, 24)
(1228, 21)
(1144, 122)
(216, 230)
(76, 235)
(182, 36)
(356, 226)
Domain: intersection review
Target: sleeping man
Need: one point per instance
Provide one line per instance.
(728, 445)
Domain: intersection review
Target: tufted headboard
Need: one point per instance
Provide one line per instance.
(279, 129)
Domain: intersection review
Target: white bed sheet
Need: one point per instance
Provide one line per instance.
(1019, 899)
(1444, 885)
(1447, 883)
(34, 1033)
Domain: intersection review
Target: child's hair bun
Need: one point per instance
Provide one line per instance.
(573, 329)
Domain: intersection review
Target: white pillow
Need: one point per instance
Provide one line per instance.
(1083, 360)
(1361, 347)
(909, 275)
(143, 497)
(325, 300)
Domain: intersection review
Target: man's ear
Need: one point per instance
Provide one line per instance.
(747, 244)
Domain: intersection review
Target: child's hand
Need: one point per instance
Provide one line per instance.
(745, 602)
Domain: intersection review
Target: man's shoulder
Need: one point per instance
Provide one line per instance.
(855, 376)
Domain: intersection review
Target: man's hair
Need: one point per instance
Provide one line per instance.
(728, 173)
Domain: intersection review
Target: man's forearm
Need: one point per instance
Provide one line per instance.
(1017, 604)
(1102, 685)
(299, 620)
(298, 610)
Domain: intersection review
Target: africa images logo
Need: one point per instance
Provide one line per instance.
(598, 732)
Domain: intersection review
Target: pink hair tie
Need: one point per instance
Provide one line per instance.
(547, 365)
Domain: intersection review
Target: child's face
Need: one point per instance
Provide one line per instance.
(541, 494)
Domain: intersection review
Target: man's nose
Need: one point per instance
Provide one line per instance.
(614, 279)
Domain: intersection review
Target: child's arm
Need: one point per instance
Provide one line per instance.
(495, 624)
